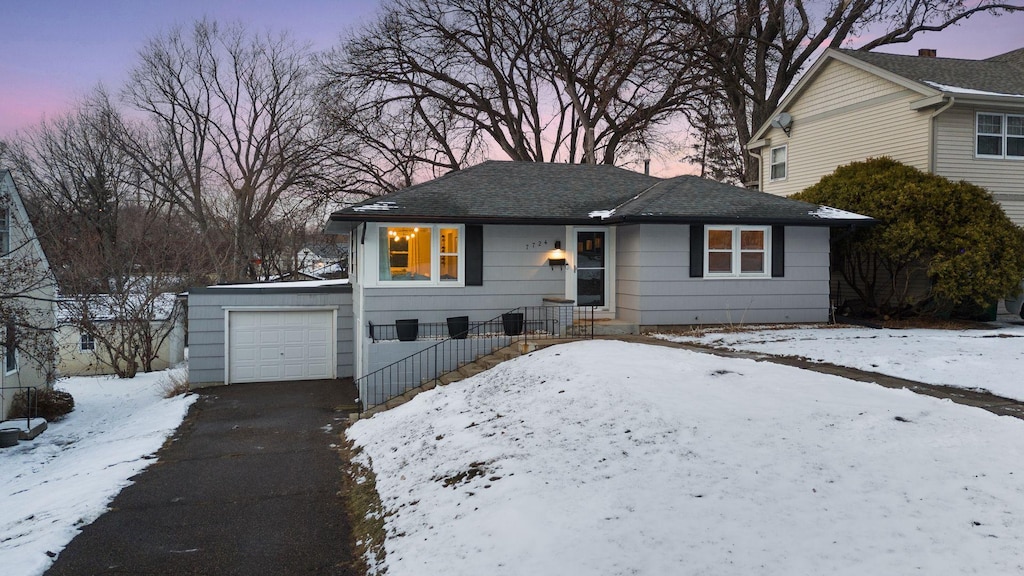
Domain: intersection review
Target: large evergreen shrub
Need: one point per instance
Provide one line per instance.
(954, 234)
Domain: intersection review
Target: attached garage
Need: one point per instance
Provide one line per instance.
(269, 345)
(284, 331)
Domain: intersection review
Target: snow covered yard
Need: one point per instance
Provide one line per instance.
(64, 479)
(611, 458)
(992, 360)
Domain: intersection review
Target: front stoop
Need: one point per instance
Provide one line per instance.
(615, 328)
(27, 430)
(481, 364)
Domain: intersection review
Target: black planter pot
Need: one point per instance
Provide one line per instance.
(458, 327)
(513, 322)
(407, 329)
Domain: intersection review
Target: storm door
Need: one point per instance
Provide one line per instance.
(591, 272)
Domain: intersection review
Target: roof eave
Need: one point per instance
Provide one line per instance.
(812, 72)
(772, 221)
(988, 99)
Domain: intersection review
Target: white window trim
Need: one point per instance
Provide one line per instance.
(373, 238)
(771, 154)
(736, 252)
(1002, 134)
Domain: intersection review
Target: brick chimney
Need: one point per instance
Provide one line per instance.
(927, 52)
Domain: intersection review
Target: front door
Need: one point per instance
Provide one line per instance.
(591, 273)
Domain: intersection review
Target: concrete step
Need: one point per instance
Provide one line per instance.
(471, 370)
(614, 328)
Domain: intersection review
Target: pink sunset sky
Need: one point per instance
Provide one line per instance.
(55, 51)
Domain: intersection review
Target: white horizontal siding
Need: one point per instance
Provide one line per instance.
(515, 273)
(847, 115)
(954, 159)
(658, 289)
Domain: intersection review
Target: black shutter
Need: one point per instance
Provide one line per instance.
(778, 251)
(696, 251)
(474, 255)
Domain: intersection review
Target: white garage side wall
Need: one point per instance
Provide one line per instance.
(655, 288)
(206, 323)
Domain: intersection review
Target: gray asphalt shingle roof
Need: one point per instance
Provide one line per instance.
(1002, 74)
(530, 192)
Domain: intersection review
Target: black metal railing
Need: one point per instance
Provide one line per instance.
(31, 402)
(459, 345)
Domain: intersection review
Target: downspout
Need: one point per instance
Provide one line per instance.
(933, 137)
(760, 168)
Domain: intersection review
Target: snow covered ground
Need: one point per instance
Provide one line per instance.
(609, 458)
(992, 360)
(64, 479)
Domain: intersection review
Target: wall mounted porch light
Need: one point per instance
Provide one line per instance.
(557, 257)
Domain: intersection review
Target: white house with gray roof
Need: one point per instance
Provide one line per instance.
(633, 250)
(643, 251)
(961, 119)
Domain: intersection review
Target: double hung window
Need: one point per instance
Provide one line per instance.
(5, 231)
(737, 251)
(425, 254)
(999, 135)
(778, 163)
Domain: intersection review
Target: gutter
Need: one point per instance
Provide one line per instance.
(760, 167)
(932, 137)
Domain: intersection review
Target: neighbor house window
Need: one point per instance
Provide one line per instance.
(86, 342)
(999, 135)
(777, 162)
(427, 254)
(5, 231)
(734, 251)
(10, 348)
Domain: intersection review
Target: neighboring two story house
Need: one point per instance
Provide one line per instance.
(962, 119)
(27, 290)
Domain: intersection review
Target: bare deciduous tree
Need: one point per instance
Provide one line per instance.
(756, 50)
(542, 80)
(233, 114)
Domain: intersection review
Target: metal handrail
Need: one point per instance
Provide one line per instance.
(31, 403)
(482, 338)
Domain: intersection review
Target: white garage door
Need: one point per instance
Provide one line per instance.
(264, 346)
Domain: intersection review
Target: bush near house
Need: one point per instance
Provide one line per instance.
(943, 247)
(50, 404)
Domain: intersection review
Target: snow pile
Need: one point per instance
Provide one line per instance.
(602, 214)
(958, 90)
(605, 457)
(991, 360)
(830, 213)
(64, 479)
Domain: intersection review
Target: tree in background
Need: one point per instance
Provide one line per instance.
(542, 80)
(231, 114)
(954, 234)
(755, 50)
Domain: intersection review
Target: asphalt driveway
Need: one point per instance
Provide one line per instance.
(248, 484)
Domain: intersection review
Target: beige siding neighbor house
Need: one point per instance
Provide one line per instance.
(85, 352)
(962, 119)
(27, 290)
